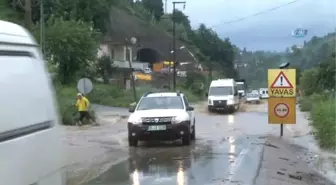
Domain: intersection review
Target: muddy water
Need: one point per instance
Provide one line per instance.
(227, 151)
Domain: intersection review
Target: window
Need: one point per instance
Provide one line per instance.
(20, 72)
(223, 90)
(149, 103)
(186, 102)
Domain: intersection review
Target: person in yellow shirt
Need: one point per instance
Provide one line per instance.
(82, 105)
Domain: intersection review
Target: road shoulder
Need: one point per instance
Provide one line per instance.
(280, 166)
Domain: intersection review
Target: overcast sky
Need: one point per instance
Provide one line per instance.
(267, 31)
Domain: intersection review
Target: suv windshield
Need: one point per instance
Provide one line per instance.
(224, 91)
(160, 103)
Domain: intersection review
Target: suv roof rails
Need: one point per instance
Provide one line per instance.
(147, 93)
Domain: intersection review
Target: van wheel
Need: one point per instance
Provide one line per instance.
(132, 142)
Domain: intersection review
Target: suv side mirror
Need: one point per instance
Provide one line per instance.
(131, 109)
(206, 94)
(190, 108)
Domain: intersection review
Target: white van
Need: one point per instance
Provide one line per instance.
(263, 93)
(31, 150)
(223, 95)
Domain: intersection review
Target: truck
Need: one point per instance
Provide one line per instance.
(241, 85)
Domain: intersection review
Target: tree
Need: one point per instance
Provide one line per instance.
(220, 53)
(71, 45)
(95, 11)
(309, 82)
(105, 68)
(155, 7)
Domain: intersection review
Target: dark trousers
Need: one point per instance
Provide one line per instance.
(84, 114)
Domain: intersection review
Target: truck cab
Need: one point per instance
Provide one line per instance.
(223, 95)
(241, 85)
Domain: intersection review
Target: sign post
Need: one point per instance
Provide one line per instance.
(282, 97)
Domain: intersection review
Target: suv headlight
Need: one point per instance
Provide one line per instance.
(135, 120)
(179, 119)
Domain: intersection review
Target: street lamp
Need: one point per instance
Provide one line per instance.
(174, 46)
(133, 42)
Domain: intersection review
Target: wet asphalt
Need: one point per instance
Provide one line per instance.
(227, 150)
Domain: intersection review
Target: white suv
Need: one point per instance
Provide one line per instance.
(161, 116)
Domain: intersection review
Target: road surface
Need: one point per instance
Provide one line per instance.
(231, 149)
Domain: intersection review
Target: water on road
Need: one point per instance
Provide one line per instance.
(227, 151)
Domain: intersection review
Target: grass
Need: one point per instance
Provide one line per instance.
(306, 102)
(322, 117)
(321, 108)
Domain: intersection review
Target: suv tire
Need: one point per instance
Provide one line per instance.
(132, 142)
(186, 140)
(193, 134)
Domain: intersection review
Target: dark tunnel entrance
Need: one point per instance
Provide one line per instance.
(148, 55)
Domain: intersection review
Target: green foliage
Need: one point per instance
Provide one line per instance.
(306, 102)
(309, 82)
(323, 120)
(195, 83)
(70, 45)
(220, 53)
(327, 74)
(66, 98)
(105, 68)
(155, 7)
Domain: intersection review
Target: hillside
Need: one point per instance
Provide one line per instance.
(313, 52)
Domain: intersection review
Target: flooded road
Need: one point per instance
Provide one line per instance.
(227, 150)
(230, 149)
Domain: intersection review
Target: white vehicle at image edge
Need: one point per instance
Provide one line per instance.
(162, 116)
(223, 95)
(31, 146)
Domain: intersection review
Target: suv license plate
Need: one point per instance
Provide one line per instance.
(157, 127)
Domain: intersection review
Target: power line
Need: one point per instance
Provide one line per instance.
(256, 14)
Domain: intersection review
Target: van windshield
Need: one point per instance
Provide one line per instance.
(221, 91)
(241, 87)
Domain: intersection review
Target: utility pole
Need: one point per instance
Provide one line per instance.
(174, 45)
(28, 14)
(42, 26)
(165, 7)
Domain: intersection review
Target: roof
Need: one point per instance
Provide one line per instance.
(222, 82)
(148, 36)
(14, 33)
(162, 94)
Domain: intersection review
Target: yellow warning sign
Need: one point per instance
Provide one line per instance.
(281, 110)
(281, 82)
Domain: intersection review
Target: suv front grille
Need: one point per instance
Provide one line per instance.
(156, 120)
(219, 102)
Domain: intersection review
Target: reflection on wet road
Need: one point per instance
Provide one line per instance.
(226, 151)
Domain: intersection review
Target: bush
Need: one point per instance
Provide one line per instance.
(306, 102)
(323, 121)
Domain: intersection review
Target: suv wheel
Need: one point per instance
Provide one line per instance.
(193, 134)
(132, 142)
(186, 140)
